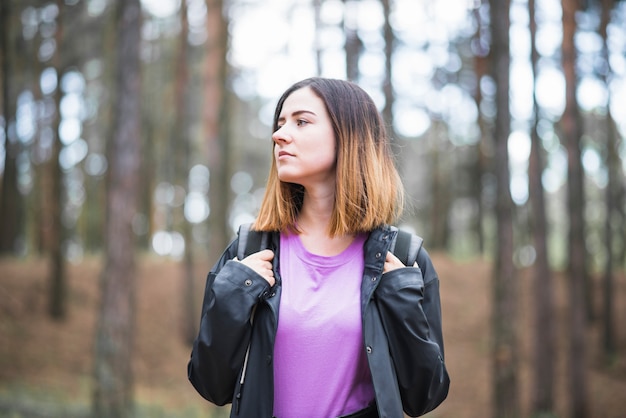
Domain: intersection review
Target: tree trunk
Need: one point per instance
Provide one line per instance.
(113, 391)
(317, 9)
(353, 45)
(11, 199)
(389, 38)
(217, 119)
(481, 69)
(388, 92)
(57, 306)
(440, 188)
(505, 355)
(180, 134)
(36, 210)
(543, 344)
(571, 125)
(96, 194)
(609, 344)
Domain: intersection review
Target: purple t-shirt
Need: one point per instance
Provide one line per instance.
(320, 366)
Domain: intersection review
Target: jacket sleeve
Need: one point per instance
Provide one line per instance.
(408, 301)
(232, 289)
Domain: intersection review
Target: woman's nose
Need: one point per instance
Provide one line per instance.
(281, 135)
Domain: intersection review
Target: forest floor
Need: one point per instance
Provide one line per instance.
(46, 366)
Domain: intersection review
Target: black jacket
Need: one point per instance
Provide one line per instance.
(402, 334)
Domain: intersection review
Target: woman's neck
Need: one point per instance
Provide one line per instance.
(314, 223)
(317, 210)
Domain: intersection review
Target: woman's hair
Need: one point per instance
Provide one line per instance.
(368, 191)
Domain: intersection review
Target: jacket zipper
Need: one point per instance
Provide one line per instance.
(245, 363)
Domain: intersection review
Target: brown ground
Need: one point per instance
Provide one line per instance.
(45, 366)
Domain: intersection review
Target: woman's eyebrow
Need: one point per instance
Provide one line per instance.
(298, 113)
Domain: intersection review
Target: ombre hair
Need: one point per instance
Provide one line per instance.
(368, 191)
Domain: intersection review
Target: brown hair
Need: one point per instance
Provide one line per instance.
(368, 191)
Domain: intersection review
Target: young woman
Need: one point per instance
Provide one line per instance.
(325, 322)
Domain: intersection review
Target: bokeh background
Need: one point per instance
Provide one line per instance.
(136, 138)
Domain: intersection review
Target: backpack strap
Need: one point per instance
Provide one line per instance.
(406, 246)
(250, 241)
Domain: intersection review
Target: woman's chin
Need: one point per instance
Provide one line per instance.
(286, 177)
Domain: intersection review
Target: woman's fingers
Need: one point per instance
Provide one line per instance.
(261, 262)
(392, 262)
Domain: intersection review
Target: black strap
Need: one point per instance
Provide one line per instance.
(401, 250)
(406, 246)
(250, 241)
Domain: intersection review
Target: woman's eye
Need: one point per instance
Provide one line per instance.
(301, 122)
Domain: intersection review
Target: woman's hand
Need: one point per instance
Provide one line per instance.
(392, 262)
(261, 263)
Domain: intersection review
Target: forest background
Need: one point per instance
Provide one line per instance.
(136, 138)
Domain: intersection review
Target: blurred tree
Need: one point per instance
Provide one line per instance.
(154, 122)
(387, 87)
(353, 45)
(11, 202)
(440, 187)
(97, 35)
(572, 129)
(180, 135)
(37, 214)
(217, 119)
(504, 315)
(480, 53)
(614, 201)
(113, 388)
(544, 340)
(389, 38)
(317, 9)
(58, 282)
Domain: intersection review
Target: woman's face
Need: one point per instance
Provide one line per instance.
(304, 144)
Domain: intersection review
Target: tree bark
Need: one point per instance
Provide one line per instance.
(57, 305)
(317, 10)
(543, 344)
(388, 92)
(571, 125)
(11, 202)
(389, 38)
(353, 47)
(505, 353)
(113, 391)
(96, 194)
(612, 192)
(216, 126)
(180, 134)
(481, 69)
(440, 188)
